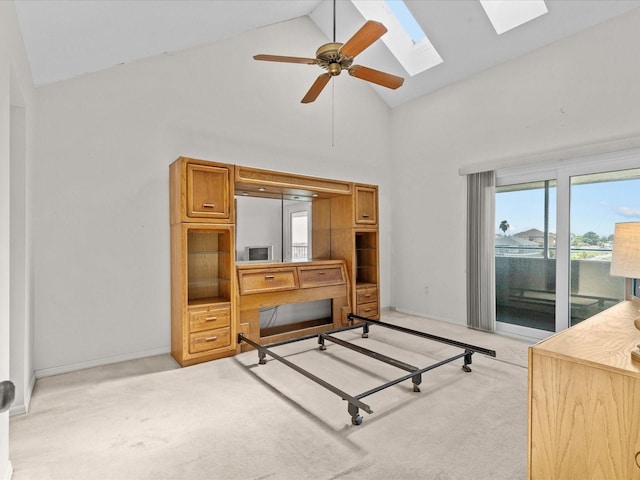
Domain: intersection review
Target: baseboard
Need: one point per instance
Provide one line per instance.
(429, 316)
(28, 394)
(48, 372)
(22, 408)
(8, 472)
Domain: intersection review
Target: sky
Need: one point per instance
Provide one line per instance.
(595, 207)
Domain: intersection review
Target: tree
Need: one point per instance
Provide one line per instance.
(591, 238)
(504, 226)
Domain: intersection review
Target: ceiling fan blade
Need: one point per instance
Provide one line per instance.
(280, 58)
(368, 33)
(316, 88)
(376, 76)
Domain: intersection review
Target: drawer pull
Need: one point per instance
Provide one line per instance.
(210, 319)
(322, 273)
(269, 277)
(367, 295)
(211, 339)
(638, 459)
(208, 205)
(365, 215)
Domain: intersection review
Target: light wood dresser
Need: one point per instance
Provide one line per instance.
(584, 400)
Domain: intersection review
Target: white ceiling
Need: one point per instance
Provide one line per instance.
(67, 38)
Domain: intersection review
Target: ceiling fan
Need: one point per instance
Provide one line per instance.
(335, 57)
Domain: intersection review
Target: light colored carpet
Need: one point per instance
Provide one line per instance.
(232, 419)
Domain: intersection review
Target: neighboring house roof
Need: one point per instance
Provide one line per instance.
(513, 242)
(532, 232)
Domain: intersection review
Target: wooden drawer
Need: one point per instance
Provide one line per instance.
(209, 340)
(366, 295)
(209, 318)
(369, 310)
(267, 280)
(320, 276)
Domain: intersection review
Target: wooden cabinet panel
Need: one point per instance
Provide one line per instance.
(201, 192)
(594, 422)
(354, 238)
(584, 399)
(366, 200)
(319, 276)
(267, 280)
(357, 210)
(202, 292)
(281, 183)
(209, 340)
(208, 318)
(208, 192)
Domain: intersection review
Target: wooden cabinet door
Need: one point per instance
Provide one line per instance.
(208, 192)
(584, 422)
(366, 199)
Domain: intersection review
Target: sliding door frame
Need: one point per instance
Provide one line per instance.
(561, 171)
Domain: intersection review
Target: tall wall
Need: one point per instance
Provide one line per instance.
(582, 90)
(105, 141)
(16, 279)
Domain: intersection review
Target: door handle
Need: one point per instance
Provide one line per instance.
(7, 395)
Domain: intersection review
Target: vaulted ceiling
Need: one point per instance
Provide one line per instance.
(67, 38)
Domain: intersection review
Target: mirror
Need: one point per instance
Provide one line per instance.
(272, 229)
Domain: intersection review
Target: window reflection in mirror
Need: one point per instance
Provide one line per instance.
(296, 221)
(272, 229)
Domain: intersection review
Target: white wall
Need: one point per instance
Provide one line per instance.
(582, 90)
(5, 251)
(16, 113)
(105, 141)
(258, 222)
(104, 145)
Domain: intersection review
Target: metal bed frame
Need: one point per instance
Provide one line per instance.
(355, 402)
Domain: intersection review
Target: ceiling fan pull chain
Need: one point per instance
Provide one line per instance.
(333, 114)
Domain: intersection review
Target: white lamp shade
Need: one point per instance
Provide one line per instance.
(625, 259)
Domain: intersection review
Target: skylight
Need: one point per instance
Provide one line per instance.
(405, 38)
(508, 14)
(407, 20)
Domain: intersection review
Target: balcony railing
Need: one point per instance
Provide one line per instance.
(526, 284)
(299, 252)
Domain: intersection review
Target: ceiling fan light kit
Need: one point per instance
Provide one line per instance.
(335, 57)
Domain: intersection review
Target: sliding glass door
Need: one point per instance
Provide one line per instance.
(598, 202)
(525, 254)
(553, 242)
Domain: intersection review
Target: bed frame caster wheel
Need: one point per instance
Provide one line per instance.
(416, 388)
(262, 358)
(466, 368)
(322, 348)
(356, 420)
